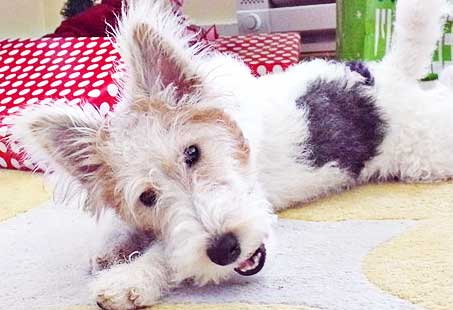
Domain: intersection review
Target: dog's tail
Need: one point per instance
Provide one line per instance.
(418, 27)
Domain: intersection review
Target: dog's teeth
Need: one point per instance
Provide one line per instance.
(254, 261)
(258, 256)
(251, 263)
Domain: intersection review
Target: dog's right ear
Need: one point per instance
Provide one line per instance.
(156, 51)
(59, 136)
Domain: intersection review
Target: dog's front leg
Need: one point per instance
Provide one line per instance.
(133, 285)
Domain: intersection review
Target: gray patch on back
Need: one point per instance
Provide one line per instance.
(344, 124)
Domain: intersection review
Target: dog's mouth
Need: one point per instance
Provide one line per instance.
(253, 264)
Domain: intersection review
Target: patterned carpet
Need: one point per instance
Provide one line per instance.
(386, 246)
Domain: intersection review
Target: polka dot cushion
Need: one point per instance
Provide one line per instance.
(35, 71)
(263, 53)
(76, 70)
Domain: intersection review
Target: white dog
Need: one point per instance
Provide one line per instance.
(199, 154)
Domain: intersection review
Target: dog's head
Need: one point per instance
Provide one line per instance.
(169, 159)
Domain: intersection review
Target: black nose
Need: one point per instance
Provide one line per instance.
(224, 249)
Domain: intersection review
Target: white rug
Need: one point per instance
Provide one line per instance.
(44, 265)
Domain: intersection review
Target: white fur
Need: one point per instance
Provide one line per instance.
(248, 167)
(134, 285)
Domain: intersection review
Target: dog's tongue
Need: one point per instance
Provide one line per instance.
(247, 264)
(254, 264)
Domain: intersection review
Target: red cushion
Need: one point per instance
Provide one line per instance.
(93, 22)
(263, 53)
(81, 69)
(38, 70)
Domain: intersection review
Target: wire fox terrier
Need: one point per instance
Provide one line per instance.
(198, 154)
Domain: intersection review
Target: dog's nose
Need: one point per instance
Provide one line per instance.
(224, 249)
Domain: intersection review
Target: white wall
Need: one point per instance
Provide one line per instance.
(21, 17)
(52, 15)
(207, 12)
(33, 18)
(28, 18)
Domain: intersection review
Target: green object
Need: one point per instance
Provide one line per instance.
(365, 28)
(430, 77)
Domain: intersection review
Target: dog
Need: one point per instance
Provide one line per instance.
(198, 154)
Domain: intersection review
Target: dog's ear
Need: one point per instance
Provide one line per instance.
(58, 136)
(155, 48)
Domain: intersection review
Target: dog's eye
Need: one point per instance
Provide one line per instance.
(148, 198)
(191, 155)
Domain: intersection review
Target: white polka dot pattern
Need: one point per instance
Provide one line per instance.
(77, 70)
(36, 71)
(263, 53)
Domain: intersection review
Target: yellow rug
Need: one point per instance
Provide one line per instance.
(415, 266)
(19, 192)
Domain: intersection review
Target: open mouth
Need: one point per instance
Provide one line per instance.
(253, 264)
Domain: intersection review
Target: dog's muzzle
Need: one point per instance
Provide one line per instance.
(225, 250)
(253, 264)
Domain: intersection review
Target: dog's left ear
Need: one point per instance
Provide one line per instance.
(156, 51)
(58, 136)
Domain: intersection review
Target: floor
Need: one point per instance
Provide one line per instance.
(403, 233)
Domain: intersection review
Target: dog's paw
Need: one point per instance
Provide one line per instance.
(120, 289)
(123, 299)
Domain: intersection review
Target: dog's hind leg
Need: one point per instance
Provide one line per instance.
(418, 27)
(418, 144)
